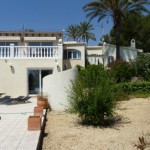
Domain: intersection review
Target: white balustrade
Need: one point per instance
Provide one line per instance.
(4, 51)
(48, 52)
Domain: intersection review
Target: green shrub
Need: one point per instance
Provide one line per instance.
(142, 65)
(134, 88)
(92, 95)
(120, 94)
(122, 71)
(79, 67)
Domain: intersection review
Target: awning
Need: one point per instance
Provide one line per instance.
(9, 38)
(40, 39)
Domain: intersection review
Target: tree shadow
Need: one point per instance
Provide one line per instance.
(114, 122)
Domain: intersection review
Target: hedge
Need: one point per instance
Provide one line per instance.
(133, 87)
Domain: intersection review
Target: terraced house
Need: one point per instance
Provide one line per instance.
(27, 56)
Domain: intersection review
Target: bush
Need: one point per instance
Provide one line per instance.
(122, 71)
(134, 88)
(92, 96)
(120, 94)
(142, 65)
(79, 67)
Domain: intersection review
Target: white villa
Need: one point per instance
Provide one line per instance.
(26, 57)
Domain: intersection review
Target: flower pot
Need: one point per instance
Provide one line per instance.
(34, 123)
(42, 102)
(38, 111)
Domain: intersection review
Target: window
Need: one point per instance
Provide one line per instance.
(35, 82)
(40, 44)
(65, 54)
(72, 54)
(8, 43)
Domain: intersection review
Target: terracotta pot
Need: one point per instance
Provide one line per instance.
(42, 102)
(38, 111)
(34, 123)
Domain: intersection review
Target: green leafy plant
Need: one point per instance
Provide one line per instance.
(142, 64)
(121, 70)
(92, 95)
(120, 94)
(132, 88)
(79, 67)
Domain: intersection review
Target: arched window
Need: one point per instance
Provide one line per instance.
(72, 54)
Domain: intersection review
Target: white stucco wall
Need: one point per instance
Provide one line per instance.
(126, 53)
(96, 50)
(14, 80)
(56, 86)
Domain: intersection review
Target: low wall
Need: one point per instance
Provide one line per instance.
(56, 86)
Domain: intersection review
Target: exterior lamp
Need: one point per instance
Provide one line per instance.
(60, 41)
(57, 64)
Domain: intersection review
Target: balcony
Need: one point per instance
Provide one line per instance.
(30, 52)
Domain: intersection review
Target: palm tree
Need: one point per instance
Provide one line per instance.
(80, 32)
(84, 33)
(72, 32)
(115, 9)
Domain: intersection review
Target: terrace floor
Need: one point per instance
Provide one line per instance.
(13, 127)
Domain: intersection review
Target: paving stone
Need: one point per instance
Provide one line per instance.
(13, 127)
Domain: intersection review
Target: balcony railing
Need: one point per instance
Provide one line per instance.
(17, 52)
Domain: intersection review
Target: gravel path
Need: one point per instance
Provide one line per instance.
(65, 133)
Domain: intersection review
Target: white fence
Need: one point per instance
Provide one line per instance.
(30, 52)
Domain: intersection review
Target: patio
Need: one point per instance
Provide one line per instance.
(13, 127)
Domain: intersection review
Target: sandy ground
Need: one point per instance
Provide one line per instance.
(65, 133)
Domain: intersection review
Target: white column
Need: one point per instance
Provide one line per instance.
(60, 55)
(103, 53)
(60, 49)
(11, 50)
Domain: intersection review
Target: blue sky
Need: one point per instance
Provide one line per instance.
(46, 15)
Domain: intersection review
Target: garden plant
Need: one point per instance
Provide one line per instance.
(91, 95)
